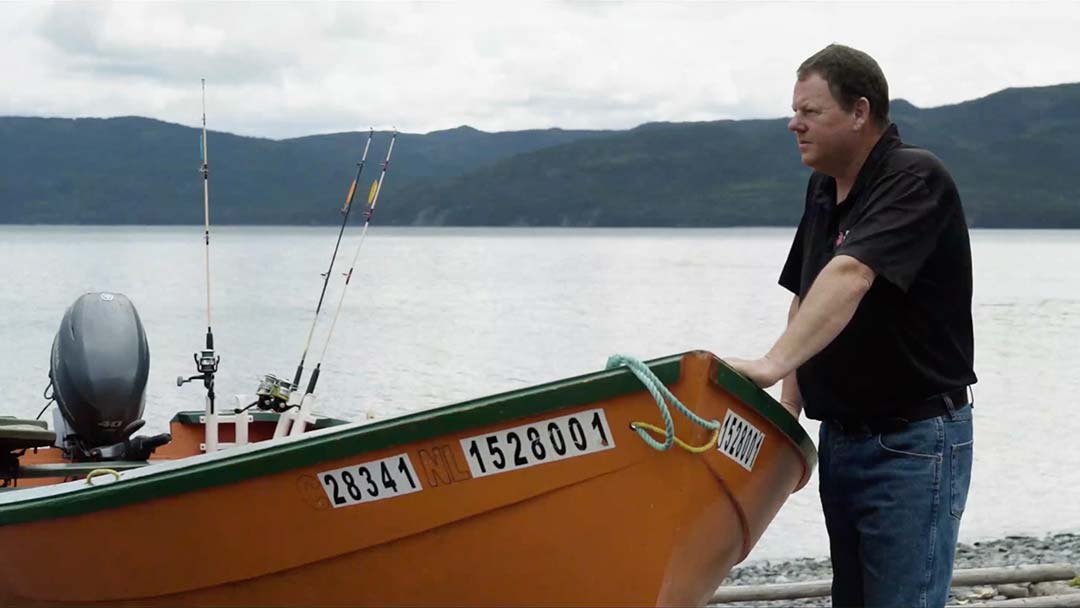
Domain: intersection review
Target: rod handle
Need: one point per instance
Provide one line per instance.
(313, 380)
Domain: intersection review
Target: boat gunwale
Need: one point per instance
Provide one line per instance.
(170, 478)
(751, 395)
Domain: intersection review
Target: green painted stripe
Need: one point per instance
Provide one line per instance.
(749, 393)
(571, 392)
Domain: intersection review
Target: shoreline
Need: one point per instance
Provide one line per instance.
(1011, 550)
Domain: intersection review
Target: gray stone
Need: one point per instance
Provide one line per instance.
(981, 593)
(1052, 588)
(1014, 591)
(1013, 550)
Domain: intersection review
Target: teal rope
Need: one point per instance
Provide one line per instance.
(659, 392)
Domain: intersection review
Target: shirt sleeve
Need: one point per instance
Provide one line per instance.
(791, 275)
(903, 221)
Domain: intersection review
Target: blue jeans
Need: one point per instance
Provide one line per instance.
(892, 503)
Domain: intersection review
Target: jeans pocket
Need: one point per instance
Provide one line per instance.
(923, 439)
(960, 476)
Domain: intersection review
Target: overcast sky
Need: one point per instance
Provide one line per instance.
(288, 69)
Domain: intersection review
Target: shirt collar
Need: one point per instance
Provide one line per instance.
(889, 141)
(825, 194)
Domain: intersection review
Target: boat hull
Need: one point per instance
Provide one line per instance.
(615, 523)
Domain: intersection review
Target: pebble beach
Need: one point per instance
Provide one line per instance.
(1063, 548)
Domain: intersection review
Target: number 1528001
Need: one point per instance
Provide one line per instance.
(538, 443)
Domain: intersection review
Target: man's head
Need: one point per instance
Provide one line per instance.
(841, 105)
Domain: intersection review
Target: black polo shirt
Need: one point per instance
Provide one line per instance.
(911, 336)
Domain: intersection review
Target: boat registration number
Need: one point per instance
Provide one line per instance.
(538, 443)
(739, 440)
(370, 481)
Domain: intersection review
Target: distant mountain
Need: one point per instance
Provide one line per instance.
(1015, 154)
(133, 170)
(684, 174)
(1012, 153)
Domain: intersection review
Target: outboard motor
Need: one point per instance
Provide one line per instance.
(99, 367)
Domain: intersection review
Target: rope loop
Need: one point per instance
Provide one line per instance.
(693, 449)
(662, 396)
(99, 473)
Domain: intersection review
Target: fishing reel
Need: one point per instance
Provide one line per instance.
(206, 362)
(273, 393)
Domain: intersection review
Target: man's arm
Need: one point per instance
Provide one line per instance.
(790, 397)
(826, 310)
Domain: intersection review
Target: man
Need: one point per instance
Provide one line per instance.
(879, 343)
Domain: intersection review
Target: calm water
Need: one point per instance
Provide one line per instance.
(435, 316)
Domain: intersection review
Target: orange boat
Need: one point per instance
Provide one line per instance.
(549, 495)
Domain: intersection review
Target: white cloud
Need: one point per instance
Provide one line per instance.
(282, 70)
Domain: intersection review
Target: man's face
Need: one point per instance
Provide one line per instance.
(823, 130)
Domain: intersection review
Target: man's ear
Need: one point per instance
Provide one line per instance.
(862, 113)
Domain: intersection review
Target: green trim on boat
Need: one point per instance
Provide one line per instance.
(749, 393)
(571, 392)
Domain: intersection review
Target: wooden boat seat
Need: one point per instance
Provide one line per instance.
(13, 420)
(19, 434)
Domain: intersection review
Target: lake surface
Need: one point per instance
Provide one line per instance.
(435, 316)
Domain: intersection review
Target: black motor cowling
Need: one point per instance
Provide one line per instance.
(99, 367)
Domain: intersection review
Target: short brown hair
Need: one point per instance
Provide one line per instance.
(851, 74)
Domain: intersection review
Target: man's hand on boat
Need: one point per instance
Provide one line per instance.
(763, 372)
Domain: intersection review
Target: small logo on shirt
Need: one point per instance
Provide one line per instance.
(840, 236)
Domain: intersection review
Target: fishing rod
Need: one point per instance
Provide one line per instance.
(273, 392)
(373, 200)
(206, 362)
(326, 277)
